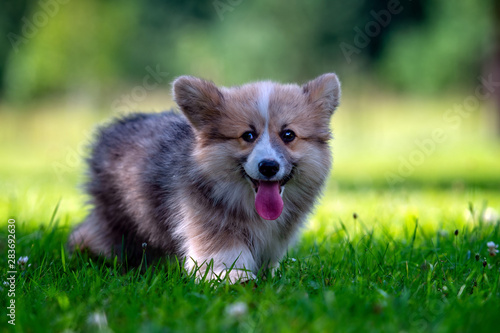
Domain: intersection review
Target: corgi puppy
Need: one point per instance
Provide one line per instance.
(225, 186)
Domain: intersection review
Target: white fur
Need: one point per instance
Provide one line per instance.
(265, 91)
(237, 262)
(263, 149)
(266, 240)
(268, 248)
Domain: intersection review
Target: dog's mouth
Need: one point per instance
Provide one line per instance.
(268, 196)
(256, 183)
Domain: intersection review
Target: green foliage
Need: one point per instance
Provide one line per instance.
(444, 54)
(90, 49)
(79, 49)
(360, 276)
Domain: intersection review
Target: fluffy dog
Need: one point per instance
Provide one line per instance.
(226, 185)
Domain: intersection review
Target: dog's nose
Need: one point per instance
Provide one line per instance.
(269, 168)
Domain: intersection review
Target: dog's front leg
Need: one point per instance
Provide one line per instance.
(236, 263)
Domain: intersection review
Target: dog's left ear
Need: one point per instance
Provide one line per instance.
(200, 100)
(324, 92)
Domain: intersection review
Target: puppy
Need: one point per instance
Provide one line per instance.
(225, 186)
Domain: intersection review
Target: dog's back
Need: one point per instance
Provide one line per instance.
(133, 168)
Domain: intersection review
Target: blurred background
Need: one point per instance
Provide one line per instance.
(421, 86)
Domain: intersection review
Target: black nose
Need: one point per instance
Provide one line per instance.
(269, 168)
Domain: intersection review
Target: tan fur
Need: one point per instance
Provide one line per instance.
(301, 109)
(193, 196)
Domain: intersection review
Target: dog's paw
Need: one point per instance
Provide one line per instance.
(240, 276)
(232, 276)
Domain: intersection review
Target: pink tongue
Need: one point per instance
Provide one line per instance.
(268, 201)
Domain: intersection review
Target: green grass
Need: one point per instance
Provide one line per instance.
(353, 276)
(397, 267)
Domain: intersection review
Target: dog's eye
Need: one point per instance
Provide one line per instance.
(249, 136)
(287, 136)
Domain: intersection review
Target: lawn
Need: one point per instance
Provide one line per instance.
(398, 243)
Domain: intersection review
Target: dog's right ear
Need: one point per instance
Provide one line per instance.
(200, 100)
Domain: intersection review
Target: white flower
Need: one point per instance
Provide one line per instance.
(5, 283)
(237, 310)
(443, 233)
(492, 248)
(22, 262)
(490, 215)
(97, 319)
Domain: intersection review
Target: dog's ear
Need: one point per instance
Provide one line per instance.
(323, 92)
(200, 100)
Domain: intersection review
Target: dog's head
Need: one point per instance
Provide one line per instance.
(264, 135)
